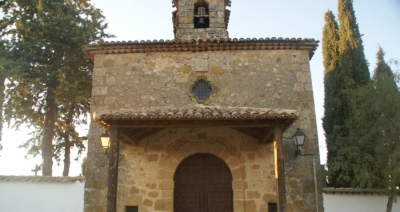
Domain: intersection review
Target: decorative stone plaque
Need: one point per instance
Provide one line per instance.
(201, 65)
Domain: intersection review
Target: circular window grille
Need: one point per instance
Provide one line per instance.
(201, 89)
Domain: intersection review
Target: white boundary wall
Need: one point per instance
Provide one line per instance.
(68, 197)
(357, 203)
(41, 196)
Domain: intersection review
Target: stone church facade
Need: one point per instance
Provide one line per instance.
(200, 123)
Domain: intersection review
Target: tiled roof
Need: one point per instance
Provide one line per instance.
(202, 40)
(198, 112)
(201, 45)
(355, 191)
(40, 179)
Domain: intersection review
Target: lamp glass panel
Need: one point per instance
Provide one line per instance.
(295, 140)
(105, 142)
(300, 140)
(299, 137)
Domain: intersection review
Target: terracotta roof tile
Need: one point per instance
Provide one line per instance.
(40, 179)
(202, 40)
(201, 45)
(198, 112)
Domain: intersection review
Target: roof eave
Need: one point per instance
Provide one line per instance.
(201, 45)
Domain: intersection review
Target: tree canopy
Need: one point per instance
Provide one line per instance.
(362, 115)
(49, 76)
(350, 72)
(330, 51)
(374, 136)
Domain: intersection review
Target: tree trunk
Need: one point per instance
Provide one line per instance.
(67, 155)
(48, 133)
(68, 144)
(389, 203)
(2, 88)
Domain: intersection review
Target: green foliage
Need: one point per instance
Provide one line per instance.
(353, 65)
(355, 158)
(368, 156)
(83, 167)
(49, 76)
(3, 62)
(330, 42)
(346, 74)
(381, 65)
(362, 116)
(373, 143)
(2, 81)
(330, 51)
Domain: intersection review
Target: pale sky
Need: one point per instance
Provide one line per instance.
(378, 20)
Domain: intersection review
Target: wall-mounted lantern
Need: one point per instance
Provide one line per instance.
(105, 142)
(298, 139)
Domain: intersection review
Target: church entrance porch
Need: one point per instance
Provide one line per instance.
(236, 146)
(203, 182)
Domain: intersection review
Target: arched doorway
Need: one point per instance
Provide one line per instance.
(203, 183)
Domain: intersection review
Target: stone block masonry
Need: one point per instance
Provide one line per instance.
(242, 78)
(147, 170)
(185, 20)
(256, 73)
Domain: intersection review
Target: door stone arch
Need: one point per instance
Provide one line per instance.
(203, 182)
(182, 148)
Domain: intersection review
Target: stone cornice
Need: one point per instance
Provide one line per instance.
(201, 45)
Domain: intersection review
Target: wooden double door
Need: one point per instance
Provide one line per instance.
(203, 183)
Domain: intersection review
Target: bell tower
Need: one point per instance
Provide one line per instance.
(206, 19)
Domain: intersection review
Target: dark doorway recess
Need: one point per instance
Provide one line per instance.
(203, 183)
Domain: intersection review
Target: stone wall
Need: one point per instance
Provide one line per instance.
(184, 20)
(147, 170)
(266, 79)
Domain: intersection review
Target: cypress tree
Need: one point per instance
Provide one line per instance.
(353, 65)
(373, 151)
(330, 52)
(387, 127)
(330, 42)
(381, 65)
(352, 73)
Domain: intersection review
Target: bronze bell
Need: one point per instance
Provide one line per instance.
(201, 22)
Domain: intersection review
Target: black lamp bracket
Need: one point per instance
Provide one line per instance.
(106, 152)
